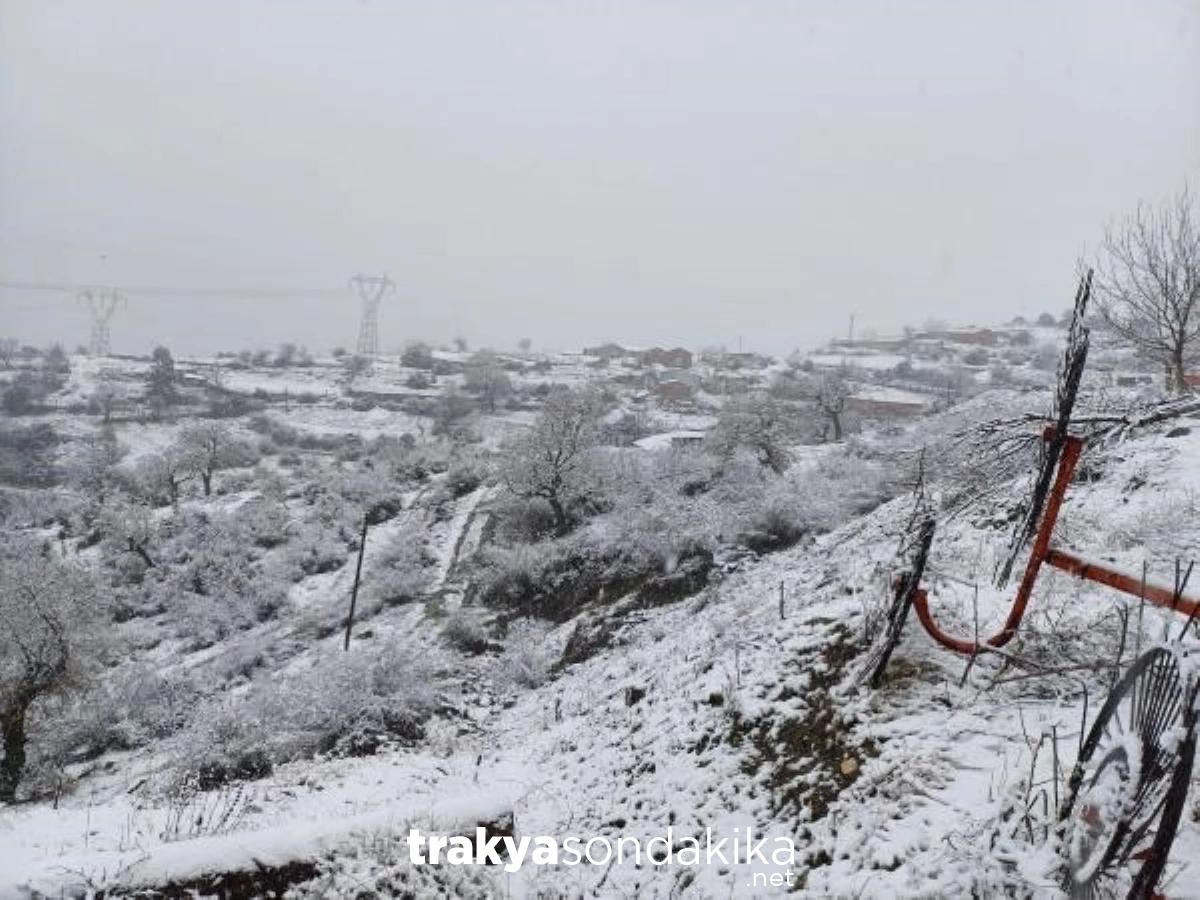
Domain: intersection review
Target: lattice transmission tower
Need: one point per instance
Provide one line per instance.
(103, 304)
(371, 289)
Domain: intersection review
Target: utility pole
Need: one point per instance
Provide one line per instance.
(103, 303)
(371, 289)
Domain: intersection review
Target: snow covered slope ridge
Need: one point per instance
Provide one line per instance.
(725, 709)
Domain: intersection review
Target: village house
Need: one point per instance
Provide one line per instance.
(674, 392)
(675, 358)
(670, 440)
(745, 361)
(887, 403)
(980, 337)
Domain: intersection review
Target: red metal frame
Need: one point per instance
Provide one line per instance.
(1043, 553)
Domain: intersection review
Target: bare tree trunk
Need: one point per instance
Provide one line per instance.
(560, 514)
(206, 476)
(1181, 384)
(12, 729)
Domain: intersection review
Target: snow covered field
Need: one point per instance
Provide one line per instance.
(729, 706)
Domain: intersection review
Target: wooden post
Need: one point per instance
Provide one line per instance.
(362, 549)
(781, 601)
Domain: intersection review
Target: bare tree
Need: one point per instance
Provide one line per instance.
(831, 390)
(90, 461)
(129, 527)
(104, 397)
(47, 616)
(164, 473)
(8, 351)
(207, 448)
(760, 423)
(550, 461)
(1148, 283)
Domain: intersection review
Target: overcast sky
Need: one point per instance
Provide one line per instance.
(647, 171)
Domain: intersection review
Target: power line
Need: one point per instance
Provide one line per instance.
(64, 288)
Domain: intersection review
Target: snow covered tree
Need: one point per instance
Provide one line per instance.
(757, 422)
(417, 355)
(89, 463)
(209, 447)
(103, 399)
(129, 527)
(21, 394)
(550, 461)
(487, 378)
(451, 411)
(286, 356)
(160, 382)
(56, 362)
(830, 393)
(162, 474)
(8, 351)
(1148, 283)
(48, 612)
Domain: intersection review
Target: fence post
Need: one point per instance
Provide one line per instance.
(362, 549)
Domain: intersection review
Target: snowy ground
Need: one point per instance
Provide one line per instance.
(715, 712)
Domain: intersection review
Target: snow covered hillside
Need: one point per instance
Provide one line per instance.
(678, 651)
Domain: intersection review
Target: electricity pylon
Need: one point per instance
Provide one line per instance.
(371, 289)
(103, 303)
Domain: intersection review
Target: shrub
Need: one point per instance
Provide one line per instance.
(523, 521)
(400, 572)
(466, 633)
(465, 474)
(527, 657)
(554, 580)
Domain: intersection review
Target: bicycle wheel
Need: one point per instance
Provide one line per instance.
(1127, 788)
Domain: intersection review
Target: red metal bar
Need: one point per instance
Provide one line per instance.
(1122, 581)
(1043, 553)
(1072, 447)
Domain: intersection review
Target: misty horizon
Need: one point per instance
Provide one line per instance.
(693, 175)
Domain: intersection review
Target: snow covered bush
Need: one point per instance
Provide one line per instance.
(313, 551)
(466, 633)
(348, 704)
(130, 707)
(467, 472)
(555, 579)
(213, 581)
(528, 655)
(402, 570)
(520, 521)
(266, 518)
(380, 867)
